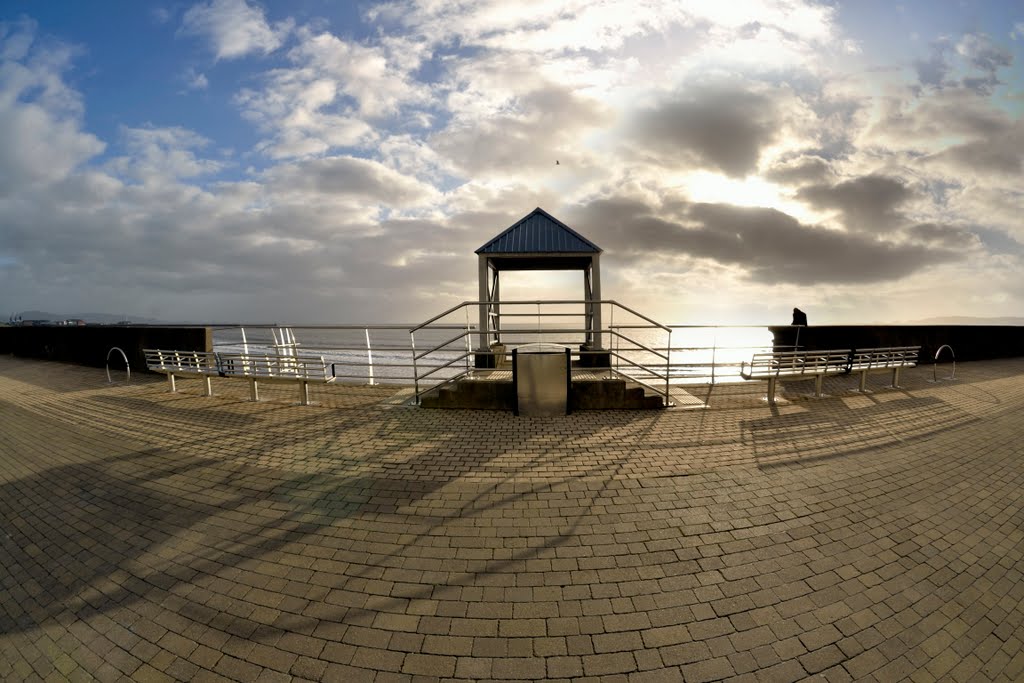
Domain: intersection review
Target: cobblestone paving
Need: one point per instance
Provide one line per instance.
(156, 536)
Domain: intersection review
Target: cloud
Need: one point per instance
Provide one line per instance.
(333, 95)
(713, 127)
(1000, 153)
(162, 154)
(341, 176)
(195, 80)
(867, 203)
(535, 128)
(943, 235)
(233, 28)
(934, 70)
(41, 141)
(975, 56)
(799, 171)
(983, 54)
(599, 25)
(532, 25)
(769, 245)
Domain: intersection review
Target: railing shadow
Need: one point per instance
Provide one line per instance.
(828, 430)
(91, 537)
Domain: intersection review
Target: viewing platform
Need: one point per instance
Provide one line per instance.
(149, 535)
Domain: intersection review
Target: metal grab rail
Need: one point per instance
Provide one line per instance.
(127, 367)
(935, 364)
(588, 305)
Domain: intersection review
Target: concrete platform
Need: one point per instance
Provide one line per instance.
(154, 536)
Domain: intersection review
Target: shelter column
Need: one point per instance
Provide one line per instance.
(485, 301)
(595, 293)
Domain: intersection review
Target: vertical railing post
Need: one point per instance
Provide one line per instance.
(668, 364)
(618, 347)
(469, 344)
(245, 350)
(415, 370)
(714, 354)
(369, 356)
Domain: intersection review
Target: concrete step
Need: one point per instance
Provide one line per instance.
(601, 394)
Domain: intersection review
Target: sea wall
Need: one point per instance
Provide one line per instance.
(89, 345)
(969, 342)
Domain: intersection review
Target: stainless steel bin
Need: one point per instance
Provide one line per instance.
(541, 375)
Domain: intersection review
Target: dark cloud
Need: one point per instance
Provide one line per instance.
(719, 128)
(867, 203)
(342, 175)
(770, 245)
(1001, 152)
(984, 55)
(979, 60)
(799, 171)
(934, 70)
(942, 235)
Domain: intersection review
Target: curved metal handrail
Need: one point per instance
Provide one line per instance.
(935, 364)
(127, 367)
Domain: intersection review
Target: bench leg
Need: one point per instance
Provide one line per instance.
(863, 381)
(896, 378)
(771, 391)
(254, 392)
(817, 385)
(304, 393)
(209, 388)
(170, 381)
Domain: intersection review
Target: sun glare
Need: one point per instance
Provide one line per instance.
(714, 188)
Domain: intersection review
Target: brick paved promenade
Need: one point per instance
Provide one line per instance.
(155, 536)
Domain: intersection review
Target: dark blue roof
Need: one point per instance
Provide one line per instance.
(539, 233)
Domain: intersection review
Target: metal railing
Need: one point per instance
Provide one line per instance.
(364, 354)
(440, 350)
(644, 359)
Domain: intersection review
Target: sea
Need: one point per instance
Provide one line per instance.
(389, 354)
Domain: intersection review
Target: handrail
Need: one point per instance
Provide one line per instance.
(446, 343)
(535, 302)
(438, 317)
(935, 363)
(664, 393)
(637, 347)
(638, 344)
(127, 367)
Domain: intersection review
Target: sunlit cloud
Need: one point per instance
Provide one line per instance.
(324, 167)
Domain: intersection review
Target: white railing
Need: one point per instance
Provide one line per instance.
(440, 350)
(363, 354)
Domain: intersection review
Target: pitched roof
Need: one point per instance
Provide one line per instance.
(539, 233)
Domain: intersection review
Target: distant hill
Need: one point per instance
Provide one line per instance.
(967, 320)
(101, 318)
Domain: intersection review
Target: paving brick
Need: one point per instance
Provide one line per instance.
(153, 535)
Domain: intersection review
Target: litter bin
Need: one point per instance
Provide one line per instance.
(540, 377)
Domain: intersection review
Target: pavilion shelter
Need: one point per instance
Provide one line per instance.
(538, 241)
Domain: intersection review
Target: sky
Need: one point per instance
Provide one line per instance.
(340, 162)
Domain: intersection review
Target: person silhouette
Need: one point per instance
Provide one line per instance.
(799, 317)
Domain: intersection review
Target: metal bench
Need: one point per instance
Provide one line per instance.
(285, 368)
(795, 365)
(893, 358)
(201, 364)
